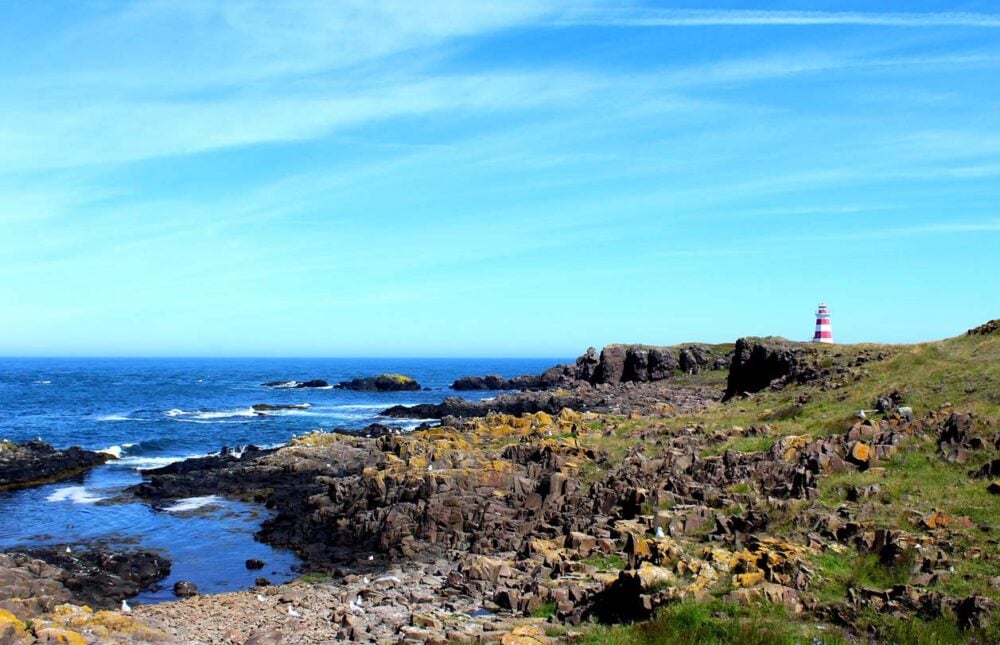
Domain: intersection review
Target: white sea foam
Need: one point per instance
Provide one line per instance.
(224, 414)
(118, 417)
(192, 503)
(114, 451)
(75, 494)
(139, 462)
(43, 382)
(209, 415)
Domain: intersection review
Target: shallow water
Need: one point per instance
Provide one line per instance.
(154, 411)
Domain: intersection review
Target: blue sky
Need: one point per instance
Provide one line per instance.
(511, 178)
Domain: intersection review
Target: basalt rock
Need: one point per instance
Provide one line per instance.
(35, 462)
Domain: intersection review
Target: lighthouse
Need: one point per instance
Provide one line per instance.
(824, 334)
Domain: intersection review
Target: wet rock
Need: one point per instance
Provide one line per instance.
(254, 564)
(313, 383)
(35, 462)
(185, 589)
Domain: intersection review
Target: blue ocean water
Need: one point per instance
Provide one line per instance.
(155, 411)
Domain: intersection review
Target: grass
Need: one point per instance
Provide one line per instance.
(606, 561)
(544, 611)
(962, 371)
(315, 577)
(708, 623)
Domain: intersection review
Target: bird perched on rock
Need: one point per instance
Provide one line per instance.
(659, 532)
(862, 415)
(293, 613)
(125, 608)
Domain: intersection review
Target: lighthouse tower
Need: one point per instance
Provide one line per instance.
(824, 334)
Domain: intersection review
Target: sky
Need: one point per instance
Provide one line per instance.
(509, 178)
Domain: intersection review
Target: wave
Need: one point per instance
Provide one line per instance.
(210, 415)
(144, 462)
(75, 494)
(43, 382)
(114, 451)
(193, 503)
(119, 417)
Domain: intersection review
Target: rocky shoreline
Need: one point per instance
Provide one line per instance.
(598, 500)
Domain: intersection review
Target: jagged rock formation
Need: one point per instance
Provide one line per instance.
(614, 365)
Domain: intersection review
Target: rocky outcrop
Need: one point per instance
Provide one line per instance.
(757, 363)
(36, 462)
(992, 327)
(614, 365)
(558, 376)
(762, 363)
(35, 607)
(101, 577)
(623, 398)
(380, 383)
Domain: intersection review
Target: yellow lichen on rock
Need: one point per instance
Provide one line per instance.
(11, 628)
(60, 636)
(525, 635)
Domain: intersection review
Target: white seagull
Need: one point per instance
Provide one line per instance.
(125, 608)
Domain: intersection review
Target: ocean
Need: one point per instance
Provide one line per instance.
(152, 412)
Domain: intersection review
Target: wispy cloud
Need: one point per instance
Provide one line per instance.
(753, 18)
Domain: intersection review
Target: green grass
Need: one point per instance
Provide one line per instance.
(708, 623)
(606, 561)
(544, 611)
(315, 577)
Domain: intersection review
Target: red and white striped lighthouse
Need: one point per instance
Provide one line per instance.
(824, 334)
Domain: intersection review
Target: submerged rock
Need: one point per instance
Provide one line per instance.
(36, 462)
(314, 383)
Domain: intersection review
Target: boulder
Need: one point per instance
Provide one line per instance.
(185, 589)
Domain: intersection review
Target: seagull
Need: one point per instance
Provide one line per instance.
(355, 607)
(430, 467)
(371, 557)
(125, 608)
(293, 613)
(861, 414)
(69, 550)
(262, 597)
(659, 532)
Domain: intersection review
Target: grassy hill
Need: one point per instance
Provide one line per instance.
(899, 494)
